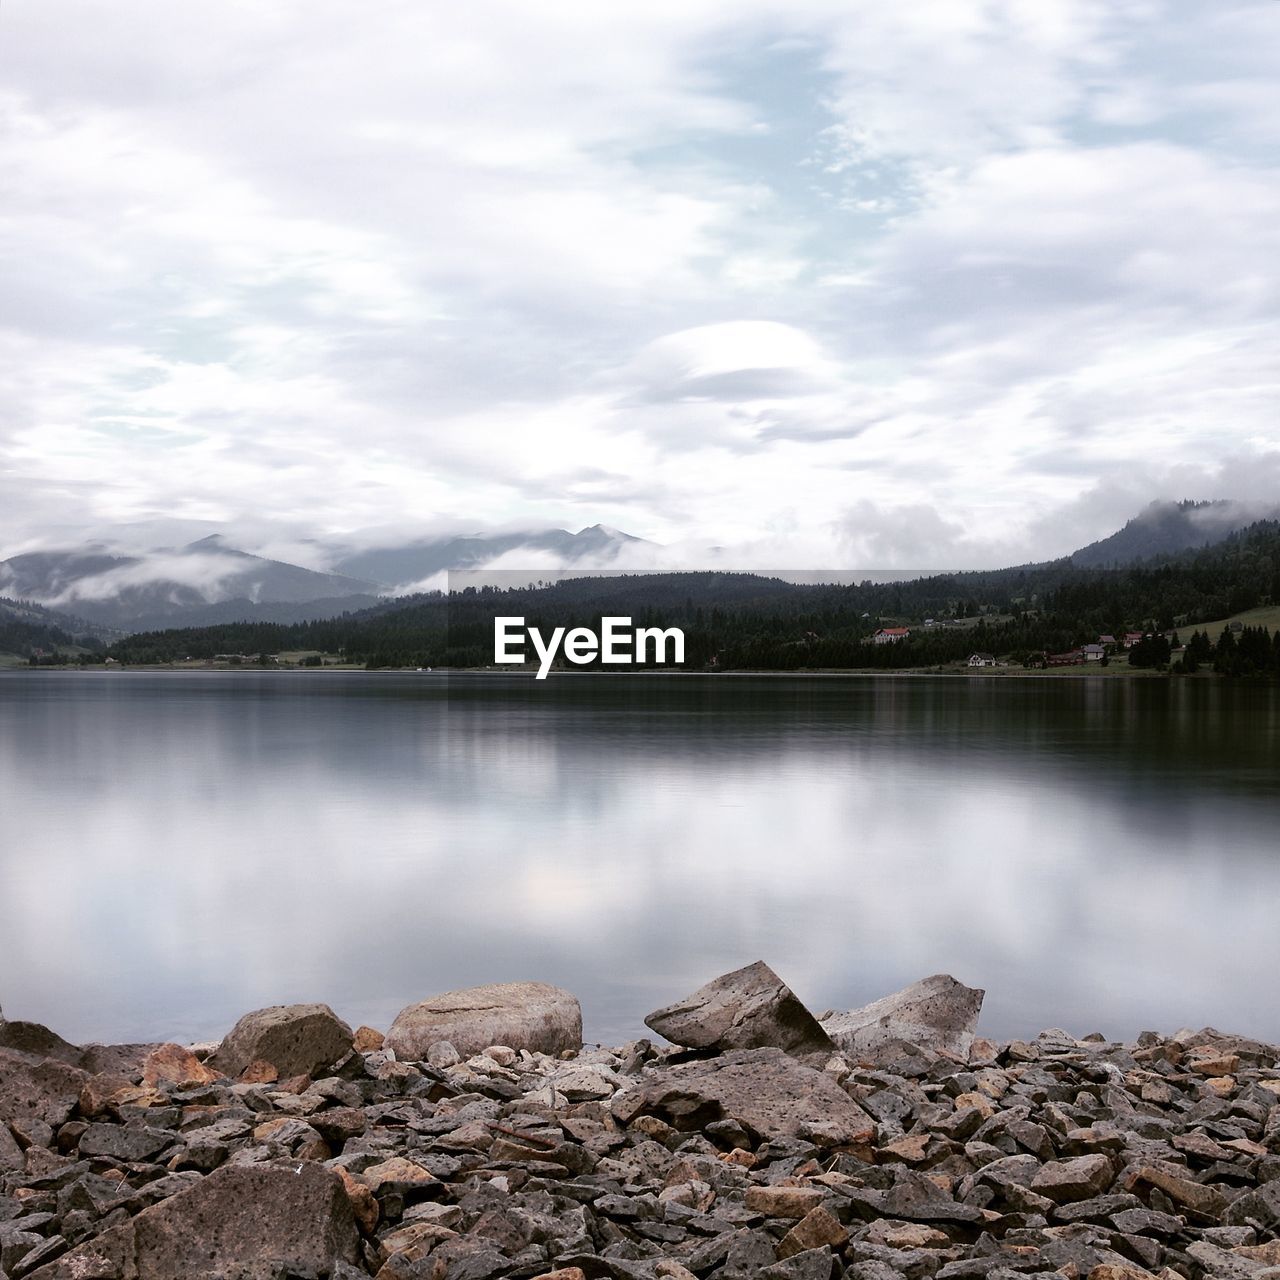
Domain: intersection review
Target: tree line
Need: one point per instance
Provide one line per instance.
(737, 621)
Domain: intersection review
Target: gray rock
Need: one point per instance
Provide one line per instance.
(37, 1089)
(252, 1221)
(1079, 1178)
(937, 1013)
(129, 1142)
(521, 1015)
(750, 1008)
(296, 1039)
(36, 1039)
(765, 1090)
(1259, 1208)
(116, 1059)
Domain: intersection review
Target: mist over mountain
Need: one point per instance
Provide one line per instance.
(210, 581)
(413, 563)
(161, 588)
(1167, 528)
(108, 588)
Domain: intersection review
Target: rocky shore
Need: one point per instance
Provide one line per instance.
(478, 1138)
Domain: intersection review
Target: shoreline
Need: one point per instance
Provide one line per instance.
(478, 1138)
(1060, 673)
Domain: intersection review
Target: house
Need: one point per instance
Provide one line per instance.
(1093, 652)
(890, 635)
(982, 660)
(1108, 640)
(1072, 658)
(1131, 638)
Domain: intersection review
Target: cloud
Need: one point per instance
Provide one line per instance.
(714, 274)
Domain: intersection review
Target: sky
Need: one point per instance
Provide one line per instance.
(825, 282)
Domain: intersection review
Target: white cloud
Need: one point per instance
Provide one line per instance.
(715, 274)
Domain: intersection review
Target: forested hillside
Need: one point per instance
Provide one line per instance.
(746, 621)
(27, 630)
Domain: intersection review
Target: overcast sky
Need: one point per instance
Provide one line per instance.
(831, 281)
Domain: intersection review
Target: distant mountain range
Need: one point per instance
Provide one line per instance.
(163, 588)
(413, 563)
(102, 592)
(210, 582)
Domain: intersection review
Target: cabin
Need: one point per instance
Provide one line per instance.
(890, 635)
(1072, 658)
(1131, 638)
(982, 660)
(1093, 652)
(1107, 640)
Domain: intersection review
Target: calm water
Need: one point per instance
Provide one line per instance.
(176, 849)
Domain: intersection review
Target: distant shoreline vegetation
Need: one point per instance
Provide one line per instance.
(1171, 613)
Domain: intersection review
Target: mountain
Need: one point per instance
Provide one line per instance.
(211, 583)
(1168, 528)
(414, 562)
(756, 622)
(165, 588)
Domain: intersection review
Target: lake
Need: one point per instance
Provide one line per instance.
(179, 848)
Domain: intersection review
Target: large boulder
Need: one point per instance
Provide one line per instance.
(523, 1015)
(116, 1059)
(936, 1013)
(36, 1039)
(245, 1221)
(750, 1008)
(296, 1039)
(765, 1090)
(39, 1041)
(38, 1088)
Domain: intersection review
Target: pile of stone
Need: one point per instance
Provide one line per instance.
(480, 1139)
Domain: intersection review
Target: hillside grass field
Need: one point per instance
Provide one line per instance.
(1268, 616)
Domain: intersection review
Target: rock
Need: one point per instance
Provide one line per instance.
(125, 1142)
(36, 1039)
(767, 1091)
(38, 1089)
(101, 1092)
(937, 1013)
(259, 1072)
(443, 1055)
(915, 1197)
(1063, 1181)
(521, 1015)
(817, 1228)
(1259, 1207)
(172, 1064)
(246, 1221)
(367, 1040)
(750, 1008)
(116, 1059)
(784, 1202)
(1194, 1196)
(907, 1235)
(296, 1039)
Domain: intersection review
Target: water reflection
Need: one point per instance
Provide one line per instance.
(179, 848)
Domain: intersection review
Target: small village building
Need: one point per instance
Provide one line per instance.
(1131, 638)
(1108, 640)
(982, 660)
(1072, 658)
(1093, 652)
(890, 635)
